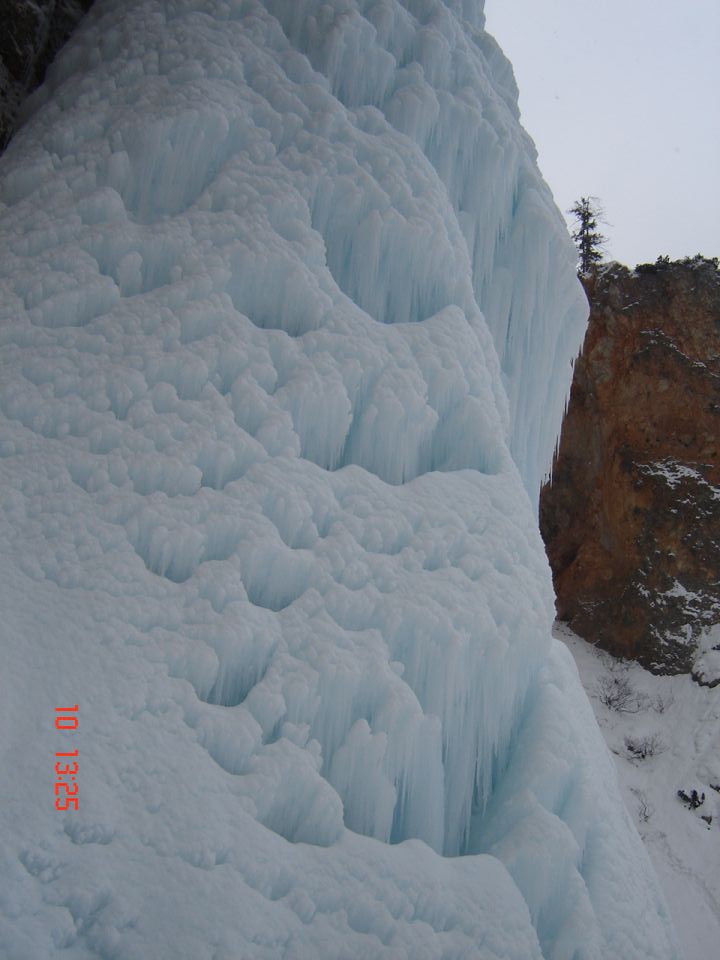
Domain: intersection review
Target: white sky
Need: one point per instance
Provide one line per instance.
(622, 99)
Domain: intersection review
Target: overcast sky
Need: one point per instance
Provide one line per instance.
(622, 99)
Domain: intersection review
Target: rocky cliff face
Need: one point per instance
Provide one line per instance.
(631, 520)
(32, 33)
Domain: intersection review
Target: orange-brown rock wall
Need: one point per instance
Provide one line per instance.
(631, 519)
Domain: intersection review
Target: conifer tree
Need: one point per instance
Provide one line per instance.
(587, 237)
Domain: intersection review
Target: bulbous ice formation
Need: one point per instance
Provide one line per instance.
(287, 321)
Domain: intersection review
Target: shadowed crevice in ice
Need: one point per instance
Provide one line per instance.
(363, 241)
(140, 260)
(174, 549)
(276, 594)
(277, 293)
(269, 573)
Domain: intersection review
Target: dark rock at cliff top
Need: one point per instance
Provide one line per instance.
(631, 519)
(32, 33)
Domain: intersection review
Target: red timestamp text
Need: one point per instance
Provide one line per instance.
(66, 785)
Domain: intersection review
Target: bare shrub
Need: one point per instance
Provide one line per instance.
(645, 809)
(643, 747)
(662, 702)
(615, 691)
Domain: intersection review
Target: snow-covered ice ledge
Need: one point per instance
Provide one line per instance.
(286, 322)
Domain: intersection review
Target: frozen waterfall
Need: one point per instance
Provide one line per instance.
(287, 317)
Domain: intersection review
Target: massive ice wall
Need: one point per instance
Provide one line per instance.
(286, 323)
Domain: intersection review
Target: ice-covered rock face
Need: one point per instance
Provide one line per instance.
(287, 318)
(32, 33)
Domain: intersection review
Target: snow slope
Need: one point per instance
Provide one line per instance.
(286, 322)
(664, 733)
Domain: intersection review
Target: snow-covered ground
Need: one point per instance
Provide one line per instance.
(664, 733)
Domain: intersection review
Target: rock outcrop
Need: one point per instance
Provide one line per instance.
(32, 33)
(631, 519)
